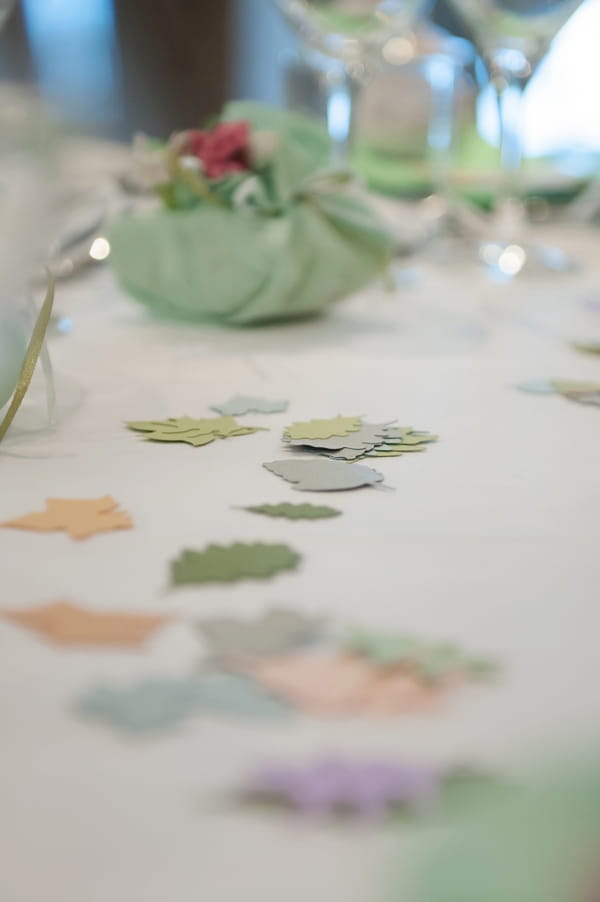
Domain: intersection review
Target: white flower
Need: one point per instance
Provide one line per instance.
(262, 147)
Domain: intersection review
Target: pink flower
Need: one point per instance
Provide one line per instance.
(223, 149)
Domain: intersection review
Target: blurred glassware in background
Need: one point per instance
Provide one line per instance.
(29, 187)
(356, 34)
(513, 36)
(407, 115)
(5, 7)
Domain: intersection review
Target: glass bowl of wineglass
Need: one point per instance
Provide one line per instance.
(355, 34)
(513, 36)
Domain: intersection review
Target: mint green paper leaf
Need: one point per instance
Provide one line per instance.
(228, 563)
(295, 511)
(429, 660)
(192, 431)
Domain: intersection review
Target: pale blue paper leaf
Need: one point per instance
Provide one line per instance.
(242, 404)
(158, 704)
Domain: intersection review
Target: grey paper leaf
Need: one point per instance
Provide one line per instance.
(318, 475)
(274, 632)
(242, 404)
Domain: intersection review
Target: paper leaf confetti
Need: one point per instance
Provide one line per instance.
(581, 392)
(367, 440)
(242, 404)
(69, 624)
(318, 475)
(363, 789)
(323, 429)
(295, 511)
(342, 684)
(587, 347)
(591, 396)
(80, 518)
(191, 431)
(228, 563)
(278, 630)
(430, 661)
(157, 704)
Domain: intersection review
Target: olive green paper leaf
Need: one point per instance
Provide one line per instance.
(228, 563)
(192, 431)
(295, 511)
(323, 428)
(588, 347)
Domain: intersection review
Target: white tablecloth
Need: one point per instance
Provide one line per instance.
(489, 538)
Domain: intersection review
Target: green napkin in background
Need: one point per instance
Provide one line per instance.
(535, 843)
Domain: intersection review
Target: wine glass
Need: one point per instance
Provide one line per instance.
(513, 36)
(355, 33)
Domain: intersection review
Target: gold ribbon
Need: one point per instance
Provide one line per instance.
(32, 354)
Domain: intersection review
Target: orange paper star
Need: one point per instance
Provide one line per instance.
(343, 684)
(80, 518)
(68, 624)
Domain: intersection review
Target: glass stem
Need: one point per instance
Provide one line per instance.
(341, 104)
(510, 83)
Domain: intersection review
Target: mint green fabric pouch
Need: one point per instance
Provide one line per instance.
(300, 239)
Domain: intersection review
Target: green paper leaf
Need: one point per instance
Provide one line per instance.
(228, 563)
(192, 431)
(324, 429)
(295, 511)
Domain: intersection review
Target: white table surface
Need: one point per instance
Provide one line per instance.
(489, 538)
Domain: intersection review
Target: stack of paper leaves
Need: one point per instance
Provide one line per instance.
(581, 392)
(191, 431)
(272, 633)
(69, 624)
(349, 438)
(228, 563)
(157, 704)
(79, 518)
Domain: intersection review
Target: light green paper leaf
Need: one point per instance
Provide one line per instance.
(431, 661)
(295, 511)
(192, 431)
(228, 563)
(314, 429)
